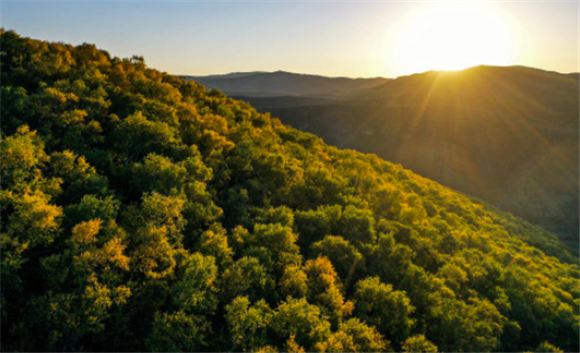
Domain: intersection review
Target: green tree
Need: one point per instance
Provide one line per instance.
(354, 336)
(246, 277)
(345, 258)
(325, 289)
(248, 325)
(177, 332)
(214, 242)
(387, 309)
(297, 318)
(418, 343)
(547, 347)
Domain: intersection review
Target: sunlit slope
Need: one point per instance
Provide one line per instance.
(508, 135)
(143, 212)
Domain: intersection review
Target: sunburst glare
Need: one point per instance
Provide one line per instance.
(453, 36)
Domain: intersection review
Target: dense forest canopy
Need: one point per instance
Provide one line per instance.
(144, 212)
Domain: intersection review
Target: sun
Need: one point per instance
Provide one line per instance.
(451, 36)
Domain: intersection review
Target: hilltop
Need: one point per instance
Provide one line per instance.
(143, 212)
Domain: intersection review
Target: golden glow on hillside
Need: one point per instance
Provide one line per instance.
(452, 36)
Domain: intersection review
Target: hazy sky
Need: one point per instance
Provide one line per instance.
(333, 38)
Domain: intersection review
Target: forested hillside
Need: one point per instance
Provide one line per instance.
(142, 212)
(507, 135)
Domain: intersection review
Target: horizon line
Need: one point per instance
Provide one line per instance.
(374, 77)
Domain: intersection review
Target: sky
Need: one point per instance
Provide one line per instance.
(331, 38)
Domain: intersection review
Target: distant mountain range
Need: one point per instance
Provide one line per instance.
(281, 83)
(508, 135)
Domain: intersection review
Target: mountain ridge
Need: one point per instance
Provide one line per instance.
(285, 83)
(239, 74)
